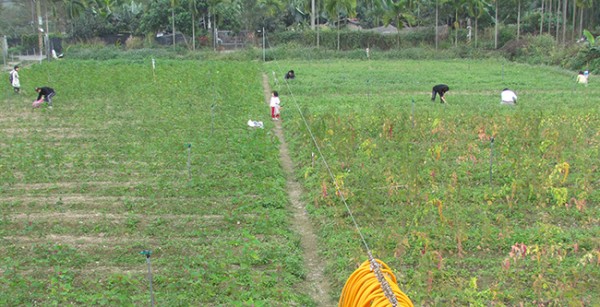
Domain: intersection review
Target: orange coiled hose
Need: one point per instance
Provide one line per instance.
(363, 288)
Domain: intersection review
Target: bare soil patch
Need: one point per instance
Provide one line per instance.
(53, 133)
(69, 185)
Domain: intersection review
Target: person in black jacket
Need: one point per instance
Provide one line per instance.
(290, 75)
(439, 89)
(47, 93)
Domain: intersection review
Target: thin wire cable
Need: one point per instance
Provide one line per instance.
(375, 267)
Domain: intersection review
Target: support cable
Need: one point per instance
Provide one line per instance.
(374, 264)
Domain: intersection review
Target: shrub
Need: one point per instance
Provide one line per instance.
(532, 49)
(134, 42)
(350, 40)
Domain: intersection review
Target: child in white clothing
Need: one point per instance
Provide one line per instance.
(14, 79)
(274, 104)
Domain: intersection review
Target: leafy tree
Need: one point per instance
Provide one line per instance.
(438, 3)
(592, 48)
(296, 12)
(476, 9)
(15, 19)
(397, 12)
(269, 14)
(156, 17)
(73, 8)
(103, 8)
(583, 5)
(519, 19)
(458, 6)
(564, 18)
(369, 12)
(496, 25)
(335, 8)
(90, 25)
(128, 16)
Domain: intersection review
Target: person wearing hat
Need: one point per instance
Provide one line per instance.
(14, 79)
(45, 92)
(508, 97)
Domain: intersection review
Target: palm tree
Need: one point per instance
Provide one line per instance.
(437, 21)
(376, 10)
(103, 8)
(549, 7)
(397, 12)
(542, 18)
(336, 7)
(173, 2)
(564, 29)
(194, 10)
(476, 9)
(574, 18)
(557, 19)
(583, 4)
(496, 26)
(64, 11)
(459, 7)
(518, 19)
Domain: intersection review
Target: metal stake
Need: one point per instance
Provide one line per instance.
(147, 253)
(189, 160)
(412, 113)
(154, 69)
(491, 157)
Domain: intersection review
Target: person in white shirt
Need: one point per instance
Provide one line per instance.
(274, 104)
(508, 97)
(14, 79)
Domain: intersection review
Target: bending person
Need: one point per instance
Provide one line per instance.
(508, 97)
(47, 93)
(439, 89)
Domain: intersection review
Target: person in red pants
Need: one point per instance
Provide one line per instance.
(274, 104)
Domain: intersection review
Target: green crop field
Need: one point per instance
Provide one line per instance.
(104, 175)
(462, 219)
(133, 159)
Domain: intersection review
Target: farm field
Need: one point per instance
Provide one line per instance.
(471, 202)
(109, 172)
(89, 185)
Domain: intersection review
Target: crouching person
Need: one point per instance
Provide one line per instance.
(46, 93)
(508, 97)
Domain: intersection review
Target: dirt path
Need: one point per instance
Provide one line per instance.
(315, 284)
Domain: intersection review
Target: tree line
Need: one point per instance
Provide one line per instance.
(84, 19)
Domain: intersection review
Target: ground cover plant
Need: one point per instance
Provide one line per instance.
(109, 172)
(85, 187)
(473, 203)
